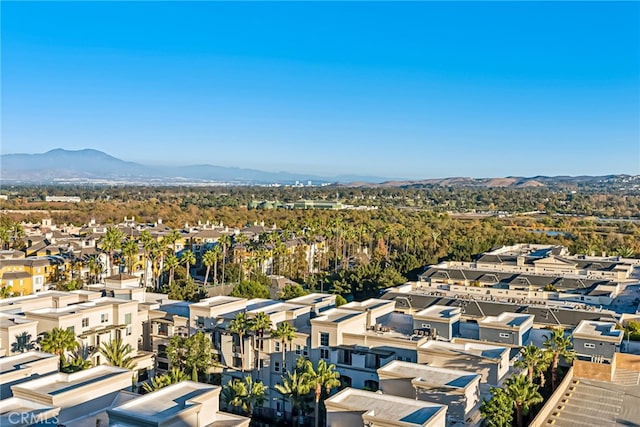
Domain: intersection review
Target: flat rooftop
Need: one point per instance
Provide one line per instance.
(61, 383)
(513, 320)
(428, 376)
(11, 320)
(336, 315)
(371, 304)
(598, 403)
(385, 407)
(439, 312)
(165, 403)
(13, 363)
(314, 298)
(216, 301)
(15, 411)
(590, 329)
(464, 350)
(279, 307)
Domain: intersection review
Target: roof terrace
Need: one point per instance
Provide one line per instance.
(605, 331)
(383, 408)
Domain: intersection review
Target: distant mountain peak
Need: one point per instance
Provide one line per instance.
(90, 165)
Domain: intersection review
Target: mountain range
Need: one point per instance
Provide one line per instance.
(60, 166)
(88, 165)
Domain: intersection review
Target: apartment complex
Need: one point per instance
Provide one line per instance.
(93, 318)
(533, 273)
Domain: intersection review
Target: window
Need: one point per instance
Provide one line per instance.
(324, 339)
(305, 351)
(71, 329)
(127, 319)
(200, 321)
(104, 318)
(589, 345)
(371, 385)
(143, 374)
(298, 349)
(276, 366)
(85, 322)
(163, 366)
(324, 353)
(237, 362)
(277, 346)
(505, 335)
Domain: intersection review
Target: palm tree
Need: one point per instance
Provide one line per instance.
(240, 240)
(258, 325)
(5, 292)
(172, 239)
(4, 237)
(209, 259)
(295, 388)
(558, 345)
(285, 333)
(155, 255)
(240, 325)
(160, 381)
(17, 233)
(188, 259)
(59, 341)
(261, 256)
(148, 243)
(535, 361)
(625, 252)
(524, 395)
(95, 268)
(23, 343)
(112, 241)
(117, 353)
(225, 242)
(130, 252)
(170, 265)
(245, 394)
(76, 363)
(323, 378)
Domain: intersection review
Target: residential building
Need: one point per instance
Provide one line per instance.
(438, 320)
(185, 404)
(506, 328)
(24, 367)
(76, 394)
(411, 298)
(459, 391)
(24, 276)
(597, 341)
(358, 408)
(17, 334)
(488, 360)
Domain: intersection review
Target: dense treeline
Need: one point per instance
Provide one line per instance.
(583, 201)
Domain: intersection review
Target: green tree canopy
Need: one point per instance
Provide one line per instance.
(250, 289)
(292, 291)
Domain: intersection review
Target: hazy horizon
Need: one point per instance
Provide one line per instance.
(411, 90)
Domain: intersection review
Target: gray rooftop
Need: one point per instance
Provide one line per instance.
(439, 312)
(513, 320)
(336, 315)
(428, 376)
(598, 330)
(385, 407)
(164, 403)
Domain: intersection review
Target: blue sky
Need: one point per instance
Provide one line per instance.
(410, 90)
